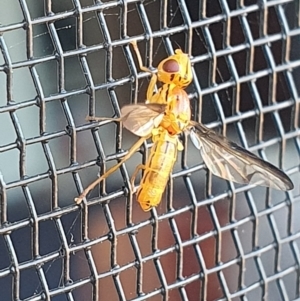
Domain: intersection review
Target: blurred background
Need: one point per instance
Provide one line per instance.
(208, 239)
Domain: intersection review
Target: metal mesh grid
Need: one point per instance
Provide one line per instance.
(208, 239)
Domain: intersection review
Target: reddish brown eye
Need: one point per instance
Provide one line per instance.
(171, 66)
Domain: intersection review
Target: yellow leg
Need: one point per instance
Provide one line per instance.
(132, 150)
(90, 118)
(139, 57)
(153, 80)
(151, 87)
(137, 169)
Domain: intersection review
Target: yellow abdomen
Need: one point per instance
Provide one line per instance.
(162, 157)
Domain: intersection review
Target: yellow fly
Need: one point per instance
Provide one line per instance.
(166, 114)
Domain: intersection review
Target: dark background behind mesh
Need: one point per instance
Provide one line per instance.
(208, 239)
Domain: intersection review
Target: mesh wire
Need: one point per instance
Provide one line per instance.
(208, 239)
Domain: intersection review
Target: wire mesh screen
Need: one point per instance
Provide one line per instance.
(209, 239)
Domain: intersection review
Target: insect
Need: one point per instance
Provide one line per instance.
(166, 114)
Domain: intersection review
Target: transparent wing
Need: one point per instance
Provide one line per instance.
(140, 119)
(229, 161)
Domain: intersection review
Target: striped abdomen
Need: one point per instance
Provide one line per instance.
(162, 157)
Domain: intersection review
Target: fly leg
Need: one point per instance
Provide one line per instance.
(137, 169)
(90, 118)
(131, 151)
(153, 80)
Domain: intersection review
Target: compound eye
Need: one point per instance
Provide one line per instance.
(171, 66)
